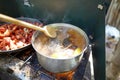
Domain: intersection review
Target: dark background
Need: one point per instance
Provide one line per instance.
(81, 13)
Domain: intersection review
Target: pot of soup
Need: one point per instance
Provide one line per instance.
(62, 53)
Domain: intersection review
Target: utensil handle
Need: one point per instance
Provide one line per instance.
(6, 18)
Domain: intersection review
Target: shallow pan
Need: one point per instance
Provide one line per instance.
(31, 20)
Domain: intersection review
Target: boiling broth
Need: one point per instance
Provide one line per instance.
(67, 44)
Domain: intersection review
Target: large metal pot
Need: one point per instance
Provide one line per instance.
(58, 65)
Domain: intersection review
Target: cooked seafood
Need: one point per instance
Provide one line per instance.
(13, 36)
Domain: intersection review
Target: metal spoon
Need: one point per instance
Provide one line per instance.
(48, 30)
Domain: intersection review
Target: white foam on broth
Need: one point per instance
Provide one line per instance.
(58, 48)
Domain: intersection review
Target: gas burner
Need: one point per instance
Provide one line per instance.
(25, 66)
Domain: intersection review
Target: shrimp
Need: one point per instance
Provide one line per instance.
(13, 36)
(6, 33)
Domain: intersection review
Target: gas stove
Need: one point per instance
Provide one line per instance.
(25, 66)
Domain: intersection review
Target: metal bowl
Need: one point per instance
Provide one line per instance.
(53, 64)
(24, 47)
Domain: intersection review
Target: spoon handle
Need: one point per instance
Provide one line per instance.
(19, 22)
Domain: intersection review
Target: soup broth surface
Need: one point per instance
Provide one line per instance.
(67, 44)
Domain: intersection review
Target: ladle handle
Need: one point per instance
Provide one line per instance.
(19, 22)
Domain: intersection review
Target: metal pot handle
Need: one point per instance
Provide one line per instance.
(88, 49)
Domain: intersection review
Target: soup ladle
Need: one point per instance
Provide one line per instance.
(48, 30)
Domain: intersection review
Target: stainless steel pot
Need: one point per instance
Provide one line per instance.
(59, 65)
